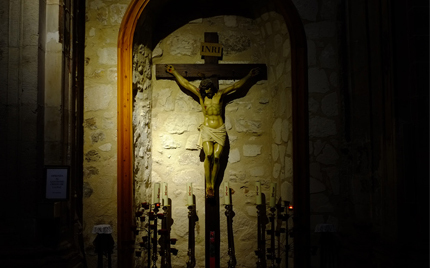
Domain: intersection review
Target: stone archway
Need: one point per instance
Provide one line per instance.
(125, 133)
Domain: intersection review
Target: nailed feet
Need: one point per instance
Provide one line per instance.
(209, 192)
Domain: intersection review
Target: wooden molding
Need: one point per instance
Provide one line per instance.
(125, 208)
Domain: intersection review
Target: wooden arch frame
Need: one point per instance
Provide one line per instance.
(125, 211)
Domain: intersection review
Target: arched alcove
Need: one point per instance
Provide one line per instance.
(156, 15)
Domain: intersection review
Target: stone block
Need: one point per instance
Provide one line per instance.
(230, 21)
(234, 156)
(318, 81)
(329, 155)
(184, 103)
(97, 97)
(276, 25)
(279, 69)
(92, 156)
(275, 152)
(235, 42)
(164, 99)
(312, 54)
(188, 175)
(321, 127)
(285, 134)
(248, 126)
(315, 171)
(181, 222)
(189, 158)
(183, 45)
(178, 123)
(192, 141)
(329, 104)
(268, 28)
(87, 190)
(316, 186)
(334, 79)
(318, 146)
(251, 149)
(116, 13)
(288, 167)
(257, 171)
(105, 189)
(286, 49)
(97, 136)
(251, 211)
(328, 58)
(276, 170)
(107, 55)
(277, 131)
(282, 151)
(170, 142)
(313, 105)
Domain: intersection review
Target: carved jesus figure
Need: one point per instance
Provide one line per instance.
(212, 130)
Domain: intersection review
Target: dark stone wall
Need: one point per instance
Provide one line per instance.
(369, 156)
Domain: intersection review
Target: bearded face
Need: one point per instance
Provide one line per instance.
(207, 88)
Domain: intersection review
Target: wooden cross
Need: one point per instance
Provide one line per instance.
(211, 69)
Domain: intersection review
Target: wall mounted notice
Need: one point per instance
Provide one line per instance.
(56, 182)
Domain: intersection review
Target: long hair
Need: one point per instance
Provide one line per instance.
(206, 84)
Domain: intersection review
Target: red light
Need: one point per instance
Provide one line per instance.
(290, 207)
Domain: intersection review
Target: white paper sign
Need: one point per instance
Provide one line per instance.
(56, 183)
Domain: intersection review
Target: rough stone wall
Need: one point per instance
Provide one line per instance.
(323, 27)
(142, 88)
(100, 120)
(258, 126)
(142, 75)
(165, 122)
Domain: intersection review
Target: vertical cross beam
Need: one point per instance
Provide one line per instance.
(212, 218)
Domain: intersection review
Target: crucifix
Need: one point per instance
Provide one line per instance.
(212, 131)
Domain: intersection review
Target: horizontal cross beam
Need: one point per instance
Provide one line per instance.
(221, 71)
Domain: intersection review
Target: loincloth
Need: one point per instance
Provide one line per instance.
(217, 135)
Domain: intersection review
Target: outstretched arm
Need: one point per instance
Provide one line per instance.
(182, 81)
(239, 84)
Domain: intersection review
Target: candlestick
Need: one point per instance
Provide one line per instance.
(272, 194)
(156, 193)
(190, 194)
(258, 190)
(165, 195)
(226, 193)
